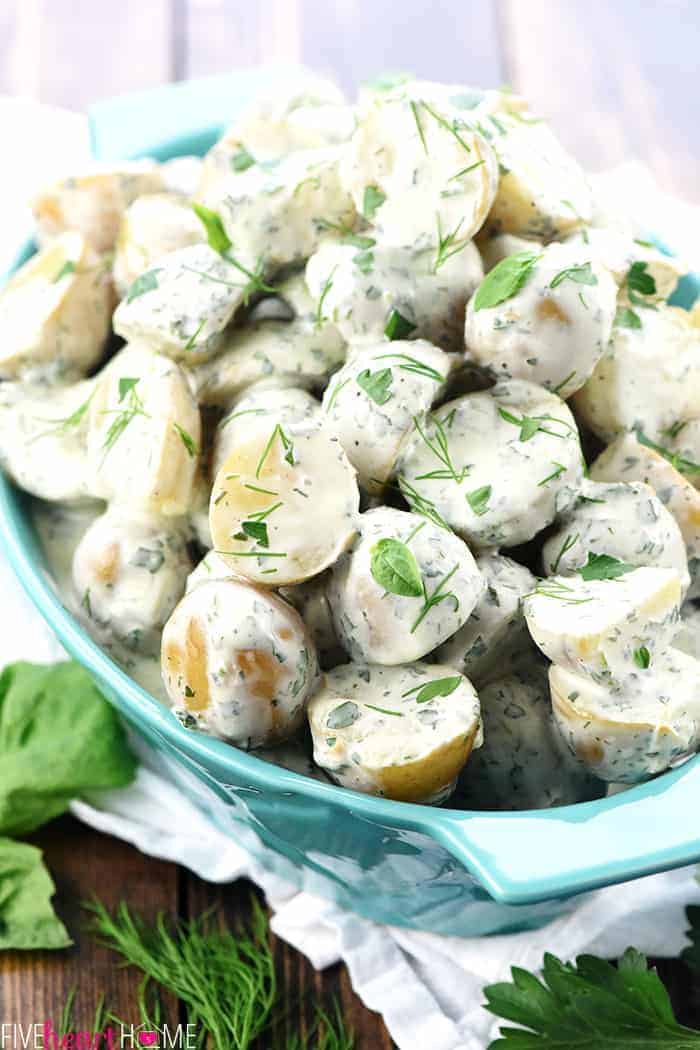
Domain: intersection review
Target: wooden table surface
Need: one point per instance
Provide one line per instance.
(617, 81)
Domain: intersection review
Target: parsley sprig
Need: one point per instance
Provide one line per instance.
(220, 242)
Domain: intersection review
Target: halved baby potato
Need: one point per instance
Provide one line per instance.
(151, 227)
(284, 503)
(554, 329)
(371, 403)
(405, 586)
(606, 629)
(402, 732)
(94, 202)
(129, 572)
(55, 313)
(238, 663)
(630, 735)
(144, 433)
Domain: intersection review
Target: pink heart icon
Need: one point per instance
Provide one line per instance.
(148, 1038)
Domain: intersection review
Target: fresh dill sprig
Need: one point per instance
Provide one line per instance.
(133, 407)
(67, 423)
(441, 450)
(287, 445)
(412, 364)
(420, 504)
(448, 244)
(327, 285)
(438, 595)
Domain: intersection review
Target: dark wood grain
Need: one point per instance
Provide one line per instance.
(618, 80)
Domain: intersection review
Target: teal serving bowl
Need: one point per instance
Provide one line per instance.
(447, 871)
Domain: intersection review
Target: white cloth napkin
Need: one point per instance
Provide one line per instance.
(427, 987)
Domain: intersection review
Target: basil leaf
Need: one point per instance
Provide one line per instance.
(582, 274)
(394, 567)
(507, 277)
(58, 739)
(376, 384)
(217, 237)
(397, 326)
(478, 500)
(242, 160)
(438, 687)
(27, 919)
(603, 567)
(147, 282)
(642, 657)
(626, 318)
(343, 716)
(373, 198)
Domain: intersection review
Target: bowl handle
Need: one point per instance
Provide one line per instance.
(192, 112)
(542, 854)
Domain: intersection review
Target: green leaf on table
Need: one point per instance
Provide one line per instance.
(27, 919)
(603, 567)
(505, 279)
(588, 1005)
(59, 738)
(394, 567)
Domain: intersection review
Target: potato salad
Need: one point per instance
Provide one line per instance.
(370, 442)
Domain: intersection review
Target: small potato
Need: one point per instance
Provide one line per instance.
(404, 587)
(43, 443)
(290, 348)
(605, 629)
(554, 329)
(493, 248)
(419, 171)
(542, 193)
(495, 631)
(310, 599)
(144, 434)
(624, 521)
(94, 202)
(628, 736)
(238, 663)
(211, 567)
(284, 503)
(632, 459)
(497, 466)
(372, 402)
(648, 378)
(523, 762)
(181, 306)
(634, 264)
(271, 404)
(402, 732)
(199, 509)
(152, 226)
(129, 572)
(55, 313)
(277, 216)
(362, 290)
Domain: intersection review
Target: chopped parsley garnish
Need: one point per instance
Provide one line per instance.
(505, 279)
(642, 657)
(438, 687)
(364, 261)
(255, 530)
(582, 274)
(627, 318)
(639, 283)
(478, 500)
(531, 425)
(397, 326)
(220, 242)
(377, 385)
(147, 282)
(603, 567)
(343, 715)
(372, 199)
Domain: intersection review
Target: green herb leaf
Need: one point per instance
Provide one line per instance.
(478, 500)
(466, 99)
(642, 657)
(147, 282)
(364, 261)
(505, 279)
(373, 198)
(27, 919)
(187, 440)
(383, 710)
(626, 318)
(438, 687)
(449, 244)
(59, 738)
(589, 1005)
(603, 567)
(343, 716)
(682, 465)
(639, 282)
(256, 530)
(67, 268)
(327, 285)
(217, 238)
(394, 567)
(582, 274)
(126, 385)
(388, 81)
(376, 385)
(413, 365)
(242, 160)
(397, 326)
